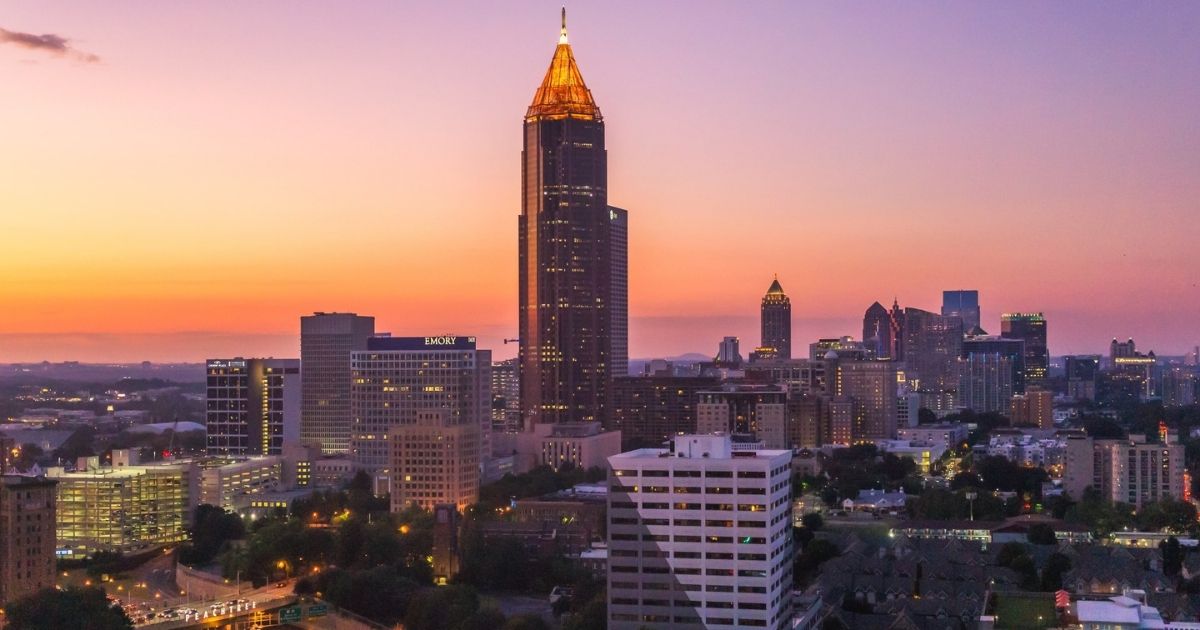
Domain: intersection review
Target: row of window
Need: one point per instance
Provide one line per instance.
(685, 603)
(685, 619)
(718, 507)
(616, 487)
(688, 522)
(690, 555)
(750, 573)
(711, 474)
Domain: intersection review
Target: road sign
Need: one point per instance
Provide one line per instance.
(290, 614)
(318, 610)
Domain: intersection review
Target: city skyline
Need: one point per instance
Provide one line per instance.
(149, 170)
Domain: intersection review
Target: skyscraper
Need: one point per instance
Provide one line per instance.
(877, 330)
(964, 305)
(1030, 327)
(253, 405)
(777, 321)
(985, 382)
(932, 345)
(326, 341)
(573, 266)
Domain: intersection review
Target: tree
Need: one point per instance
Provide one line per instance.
(212, 528)
(1172, 554)
(442, 608)
(525, 622)
(69, 609)
(1056, 565)
(1041, 534)
(812, 521)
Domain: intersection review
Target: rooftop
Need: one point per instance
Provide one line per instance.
(563, 94)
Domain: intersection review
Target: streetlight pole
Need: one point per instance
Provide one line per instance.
(971, 501)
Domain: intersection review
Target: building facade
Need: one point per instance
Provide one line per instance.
(434, 461)
(761, 411)
(1082, 372)
(27, 531)
(572, 259)
(985, 382)
(932, 345)
(647, 410)
(964, 305)
(252, 406)
(872, 386)
(1030, 328)
(506, 396)
(326, 341)
(1131, 471)
(775, 321)
(1034, 408)
(699, 534)
(398, 378)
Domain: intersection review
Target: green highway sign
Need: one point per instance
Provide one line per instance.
(318, 610)
(289, 614)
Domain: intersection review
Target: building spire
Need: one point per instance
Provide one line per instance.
(562, 35)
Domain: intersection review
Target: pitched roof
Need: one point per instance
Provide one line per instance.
(563, 94)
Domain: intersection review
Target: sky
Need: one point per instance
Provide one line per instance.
(182, 180)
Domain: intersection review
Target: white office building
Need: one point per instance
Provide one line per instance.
(699, 535)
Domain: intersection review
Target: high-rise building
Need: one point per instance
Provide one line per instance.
(253, 405)
(932, 346)
(1179, 386)
(985, 382)
(1131, 471)
(506, 396)
(964, 305)
(1012, 349)
(776, 321)
(877, 330)
(1034, 408)
(872, 386)
(647, 410)
(843, 347)
(897, 316)
(396, 379)
(699, 534)
(326, 341)
(728, 354)
(1030, 328)
(1081, 373)
(27, 530)
(761, 411)
(1119, 349)
(808, 421)
(573, 264)
(434, 461)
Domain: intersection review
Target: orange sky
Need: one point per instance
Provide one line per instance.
(221, 170)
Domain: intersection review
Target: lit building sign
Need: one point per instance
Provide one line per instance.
(436, 342)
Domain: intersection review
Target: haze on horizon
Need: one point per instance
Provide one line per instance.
(180, 181)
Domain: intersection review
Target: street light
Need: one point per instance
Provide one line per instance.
(971, 500)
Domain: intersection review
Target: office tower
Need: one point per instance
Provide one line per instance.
(985, 382)
(699, 534)
(434, 461)
(1012, 349)
(897, 316)
(776, 321)
(1131, 471)
(326, 341)
(798, 376)
(648, 410)
(728, 354)
(872, 386)
(253, 405)
(150, 504)
(506, 396)
(1179, 386)
(1136, 373)
(747, 409)
(932, 345)
(573, 265)
(963, 305)
(1030, 328)
(27, 530)
(877, 330)
(1034, 408)
(396, 379)
(1081, 373)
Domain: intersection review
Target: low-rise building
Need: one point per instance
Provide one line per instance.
(222, 482)
(27, 517)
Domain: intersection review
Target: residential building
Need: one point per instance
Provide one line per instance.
(872, 385)
(434, 461)
(699, 534)
(395, 379)
(1011, 349)
(776, 322)
(947, 436)
(253, 406)
(326, 341)
(757, 410)
(985, 382)
(573, 288)
(808, 421)
(1034, 408)
(1131, 471)
(1030, 328)
(964, 305)
(27, 530)
(647, 410)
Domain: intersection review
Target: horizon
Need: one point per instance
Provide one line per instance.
(189, 191)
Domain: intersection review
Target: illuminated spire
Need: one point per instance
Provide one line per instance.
(563, 94)
(776, 288)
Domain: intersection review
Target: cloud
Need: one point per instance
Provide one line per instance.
(51, 43)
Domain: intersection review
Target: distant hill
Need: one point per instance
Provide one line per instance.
(73, 372)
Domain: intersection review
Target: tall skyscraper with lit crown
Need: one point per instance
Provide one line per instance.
(573, 287)
(776, 321)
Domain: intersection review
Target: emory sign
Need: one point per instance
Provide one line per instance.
(440, 341)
